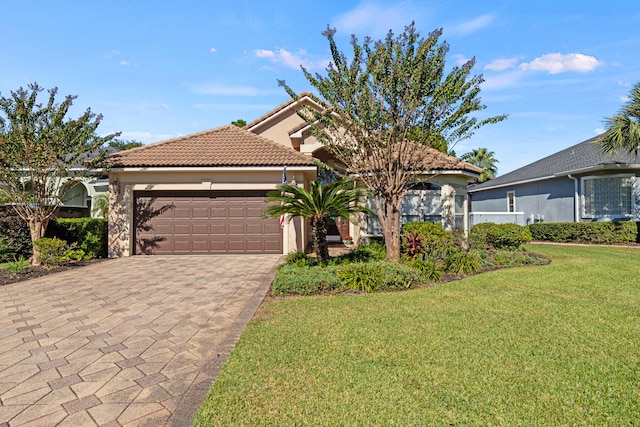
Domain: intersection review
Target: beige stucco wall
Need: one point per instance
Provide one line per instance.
(123, 183)
(279, 127)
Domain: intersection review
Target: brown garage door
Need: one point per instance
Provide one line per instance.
(190, 222)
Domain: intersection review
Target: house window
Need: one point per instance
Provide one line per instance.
(608, 196)
(511, 201)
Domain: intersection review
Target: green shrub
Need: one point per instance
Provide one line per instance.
(53, 251)
(90, 234)
(374, 250)
(15, 232)
(5, 249)
(376, 276)
(428, 271)
(463, 263)
(300, 259)
(488, 235)
(299, 280)
(435, 243)
(585, 232)
(17, 266)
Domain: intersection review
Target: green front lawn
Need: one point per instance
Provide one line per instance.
(551, 345)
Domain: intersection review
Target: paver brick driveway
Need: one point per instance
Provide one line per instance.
(131, 341)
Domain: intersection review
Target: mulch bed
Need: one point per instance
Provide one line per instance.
(7, 277)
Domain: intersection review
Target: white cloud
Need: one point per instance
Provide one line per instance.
(147, 137)
(556, 63)
(228, 107)
(474, 25)
(598, 131)
(501, 81)
(216, 88)
(213, 50)
(264, 53)
(501, 64)
(624, 99)
(110, 54)
(376, 19)
(289, 59)
(123, 62)
(460, 59)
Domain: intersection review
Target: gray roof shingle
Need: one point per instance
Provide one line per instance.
(581, 157)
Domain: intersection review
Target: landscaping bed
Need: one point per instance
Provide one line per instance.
(7, 277)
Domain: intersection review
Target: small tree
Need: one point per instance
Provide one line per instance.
(623, 129)
(392, 91)
(337, 199)
(124, 144)
(485, 159)
(41, 150)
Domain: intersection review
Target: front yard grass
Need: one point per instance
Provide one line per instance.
(551, 345)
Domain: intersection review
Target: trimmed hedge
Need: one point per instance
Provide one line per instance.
(15, 232)
(90, 234)
(488, 235)
(586, 232)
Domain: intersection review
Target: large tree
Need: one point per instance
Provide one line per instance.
(321, 202)
(42, 151)
(623, 129)
(386, 103)
(485, 159)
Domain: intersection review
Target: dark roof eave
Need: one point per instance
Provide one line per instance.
(120, 167)
(600, 167)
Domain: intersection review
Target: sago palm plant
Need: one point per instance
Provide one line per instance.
(341, 198)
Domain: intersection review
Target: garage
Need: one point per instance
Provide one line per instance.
(204, 193)
(204, 222)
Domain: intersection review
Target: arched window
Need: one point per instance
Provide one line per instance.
(74, 194)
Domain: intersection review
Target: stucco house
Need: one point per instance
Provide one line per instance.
(204, 193)
(440, 195)
(576, 184)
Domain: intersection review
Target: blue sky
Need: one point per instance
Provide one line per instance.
(161, 69)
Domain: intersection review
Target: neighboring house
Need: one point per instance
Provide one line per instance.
(204, 193)
(577, 184)
(78, 195)
(441, 196)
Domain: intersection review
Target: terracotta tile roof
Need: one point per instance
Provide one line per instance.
(224, 146)
(426, 159)
(436, 160)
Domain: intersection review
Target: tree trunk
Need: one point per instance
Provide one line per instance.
(37, 229)
(389, 217)
(319, 231)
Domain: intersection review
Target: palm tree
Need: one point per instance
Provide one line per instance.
(482, 158)
(338, 199)
(623, 129)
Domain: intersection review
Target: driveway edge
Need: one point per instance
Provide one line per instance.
(196, 393)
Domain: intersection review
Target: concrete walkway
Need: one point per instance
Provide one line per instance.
(126, 342)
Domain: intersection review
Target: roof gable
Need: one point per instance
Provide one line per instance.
(288, 107)
(225, 146)
(584, 156)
